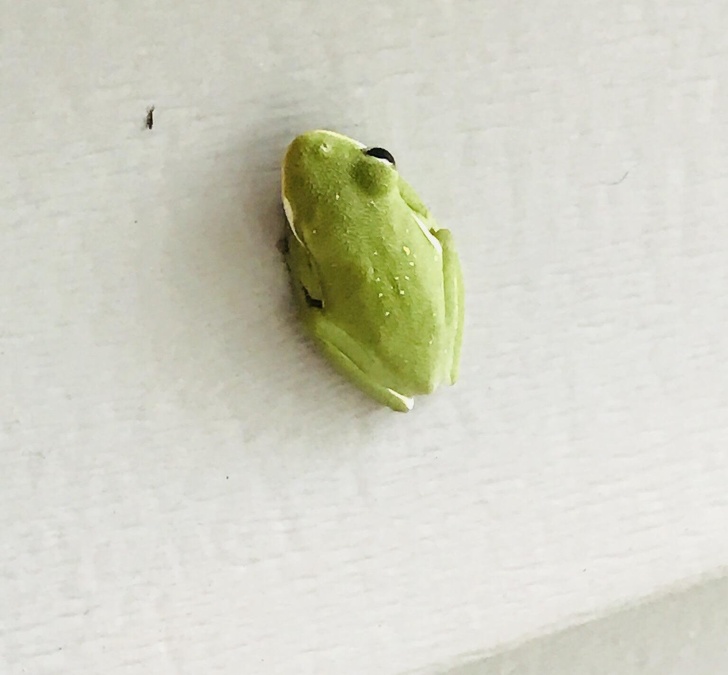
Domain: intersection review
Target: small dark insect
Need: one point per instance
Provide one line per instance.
(150, 117)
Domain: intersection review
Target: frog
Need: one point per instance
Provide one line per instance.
(377, 283)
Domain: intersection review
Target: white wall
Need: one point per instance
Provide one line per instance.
(186, 487)
(680, 634)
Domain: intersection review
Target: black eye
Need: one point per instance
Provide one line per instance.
(381, 153)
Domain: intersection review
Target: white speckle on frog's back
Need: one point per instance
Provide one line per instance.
(406, 250)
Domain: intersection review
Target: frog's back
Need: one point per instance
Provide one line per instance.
(372, 257)
(384, 283)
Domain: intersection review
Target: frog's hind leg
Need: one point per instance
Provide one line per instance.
(346, 354)
(454, 297)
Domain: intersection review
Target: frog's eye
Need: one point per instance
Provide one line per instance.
(381, 154)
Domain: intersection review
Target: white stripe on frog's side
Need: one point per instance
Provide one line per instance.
(425, 230)
(408, 402)
(289, 218)
(287, 206)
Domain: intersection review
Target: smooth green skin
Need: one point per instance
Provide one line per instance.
(377, 283)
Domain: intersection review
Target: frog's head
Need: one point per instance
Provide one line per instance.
(326, 168)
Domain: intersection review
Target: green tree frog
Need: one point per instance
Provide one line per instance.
(377, 283)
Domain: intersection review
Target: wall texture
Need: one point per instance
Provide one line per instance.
(680, 634)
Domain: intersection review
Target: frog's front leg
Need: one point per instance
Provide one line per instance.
(306, 284)
(454, 297)
(350, 359)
